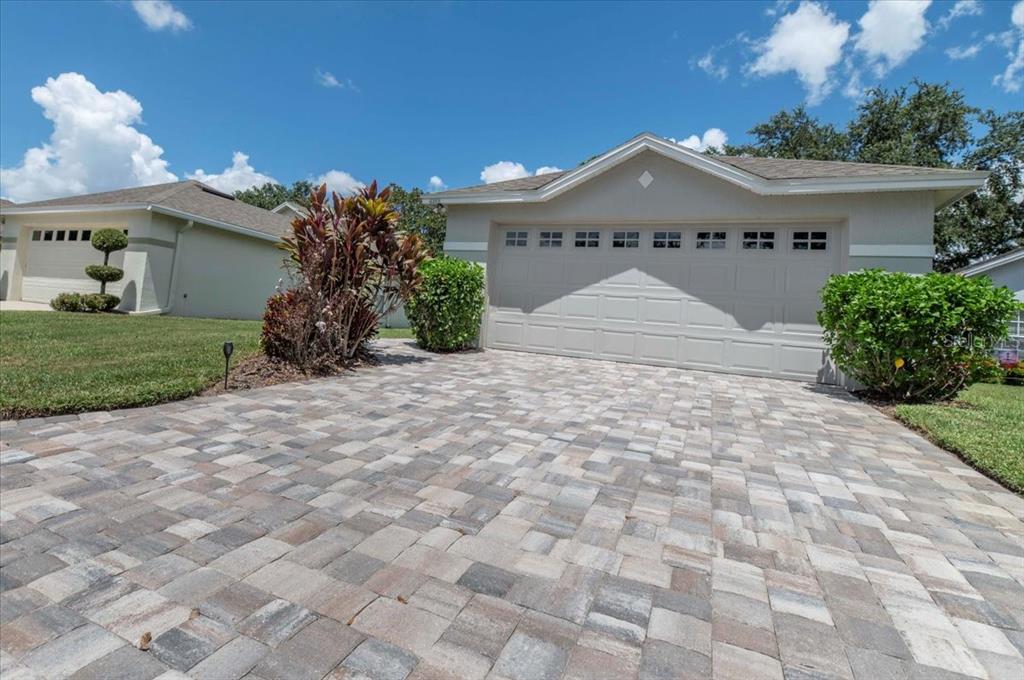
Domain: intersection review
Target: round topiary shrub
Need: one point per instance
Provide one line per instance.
(104, 273)
(106, 241)
(913, 338)
(445, 312)
(68, 302)
(100, 302)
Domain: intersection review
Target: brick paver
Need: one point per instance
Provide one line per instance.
(503, 515)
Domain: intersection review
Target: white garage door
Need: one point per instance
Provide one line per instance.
(740, 299)
(57, 259)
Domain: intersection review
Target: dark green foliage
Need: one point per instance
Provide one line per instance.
(445, 313)
(416, 217)
(271, 195)
(100, 302)
(104, 273)
(795, 135)
(913, 338)
(931, 126)
(109, 240)
(68, 302)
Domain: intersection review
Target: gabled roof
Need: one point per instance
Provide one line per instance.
(992, 263)
(4, 202)
(289, 205)
(188, 199)
(763, 176)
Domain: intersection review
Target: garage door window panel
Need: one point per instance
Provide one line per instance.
(667, 240)
(37, 235)
(73, 235)
(712, 240)
(550, 239)
(810, 240)
(758, 240)
(587, 239)
(626, 239)
(516, 239)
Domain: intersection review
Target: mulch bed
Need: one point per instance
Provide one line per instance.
(260, 370)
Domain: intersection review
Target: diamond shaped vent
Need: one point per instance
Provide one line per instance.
(645, 179)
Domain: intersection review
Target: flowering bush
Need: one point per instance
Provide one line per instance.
(914, 338)
(352, 268)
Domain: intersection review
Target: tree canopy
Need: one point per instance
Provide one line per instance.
(415, 216)
(931, 126)
(270, 195)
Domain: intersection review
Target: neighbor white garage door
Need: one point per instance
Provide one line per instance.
(57, 259)
(740, 299)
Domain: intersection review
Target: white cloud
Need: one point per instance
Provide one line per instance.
(891, 31)
(777, 7)
(957, 53)
(340, 181)
(241, 175)
(327, 79)
(714, 69)
(161, 14)
(808, 41)
(502, 171)
(436, 183)
(1012, 77)
(713, 138)
(545, 169)
(962, 8)
(94, 145)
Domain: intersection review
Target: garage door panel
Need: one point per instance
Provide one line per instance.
(731, 310)
(56, 267)
(621, 308)
(578, 306)
(618, 345)
(579, 340)
(541, 337)
(662, 311)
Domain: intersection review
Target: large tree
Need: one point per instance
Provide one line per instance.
(270, 195)
(931, 126)
(415, 216)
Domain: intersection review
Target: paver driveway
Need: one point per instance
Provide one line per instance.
(505, 515)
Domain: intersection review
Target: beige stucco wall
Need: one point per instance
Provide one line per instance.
(224, 275)
(680, 194)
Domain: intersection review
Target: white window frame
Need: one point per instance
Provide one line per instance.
(807, 240)
(517, 239)
(714, 240)
(589, 239)
(630, 240)
(667, 239)
(550, 239)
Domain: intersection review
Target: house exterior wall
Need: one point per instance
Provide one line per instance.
(874, 223)
(225, 275)
(1010, 275)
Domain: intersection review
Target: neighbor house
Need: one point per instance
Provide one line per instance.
(656, 254)
(1006, 270)
(192, 250)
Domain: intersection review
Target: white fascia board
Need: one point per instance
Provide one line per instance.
(969, 181)
(994, 263)
(121, 207)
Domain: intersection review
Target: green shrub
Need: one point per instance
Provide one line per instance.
(104, 273)
(109, 240)
(68, 302)
(913, 338)
(445, 313)
(100, 302)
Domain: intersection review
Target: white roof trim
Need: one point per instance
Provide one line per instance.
(968, 180)
(118, 207)
(291, 205)
(993, 263)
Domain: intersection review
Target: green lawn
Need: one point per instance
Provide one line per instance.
(985, 427)
(53, 362)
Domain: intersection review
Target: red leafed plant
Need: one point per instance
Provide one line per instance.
(351, 267)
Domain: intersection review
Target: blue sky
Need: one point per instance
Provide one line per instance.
(406, 92)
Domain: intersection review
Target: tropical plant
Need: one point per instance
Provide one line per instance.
(914, 338)
(445, 313)
(352, 267)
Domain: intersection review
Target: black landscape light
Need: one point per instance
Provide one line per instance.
(228, 349)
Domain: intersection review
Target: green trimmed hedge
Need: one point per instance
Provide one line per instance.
(914, 338)
(87, 302)
(445, 312)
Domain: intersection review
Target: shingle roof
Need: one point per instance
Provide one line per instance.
(4, 201)
(786, 168)
(765, 168)
(189, 196)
